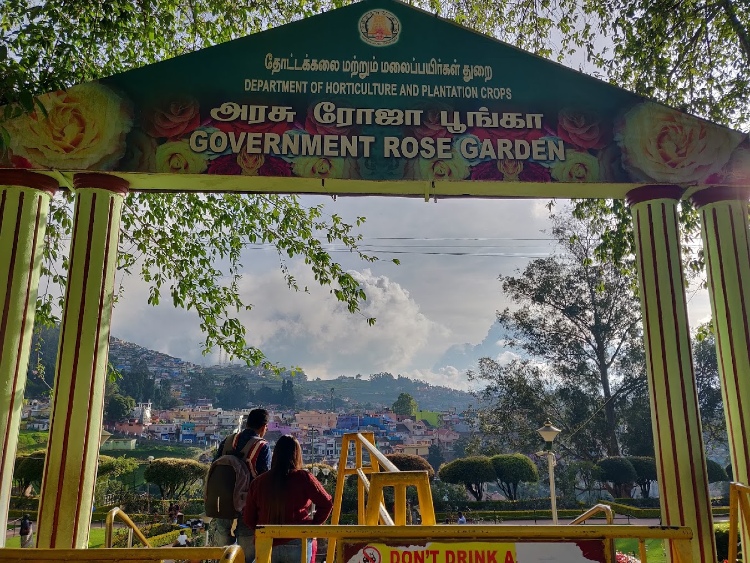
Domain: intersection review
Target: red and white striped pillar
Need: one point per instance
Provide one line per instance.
(726, 244)
(24, 204)
(76, 418)
(680, 453)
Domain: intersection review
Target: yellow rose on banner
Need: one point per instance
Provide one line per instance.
(323, 167)
(577, 167)
(85, 129)
(250, 163)
(454, 168)
(663, 145)
(177, 157)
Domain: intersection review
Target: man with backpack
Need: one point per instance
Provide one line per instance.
(239, 458)
(26, 532)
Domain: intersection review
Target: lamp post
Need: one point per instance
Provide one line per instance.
(148, 486)
(549, 433)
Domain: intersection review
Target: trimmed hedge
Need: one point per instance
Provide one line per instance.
(721, 531)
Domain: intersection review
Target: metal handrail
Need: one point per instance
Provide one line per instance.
(593, 511)
(739, 505)
(609, 544)
(374, 511)
(230, 554)
(109, 526)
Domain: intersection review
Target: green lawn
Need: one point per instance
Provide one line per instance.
(654, 549)
(96, 539)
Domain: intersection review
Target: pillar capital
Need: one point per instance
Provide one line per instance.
(715, 194)
(653, 191)
(28, 179)
(101, 181)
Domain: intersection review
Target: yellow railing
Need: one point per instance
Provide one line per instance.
(231, 554)
(372, 478)
(264, 536)
(739, 505)
(609, 544)
(117, 514)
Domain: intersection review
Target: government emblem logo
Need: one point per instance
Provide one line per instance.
(379, 28)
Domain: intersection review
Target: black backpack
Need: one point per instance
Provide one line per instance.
(229, 477)
(25, 527)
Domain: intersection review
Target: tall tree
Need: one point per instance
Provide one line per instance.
(405, 405)
(187, 246)
(577, 314)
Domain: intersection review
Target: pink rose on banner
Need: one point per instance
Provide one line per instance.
(486, 171)
(533, 172)
(275, 167)
(661, 144)
(577, 167)
(321, 120)
(225, 165)
(172, 119)
(583, 129)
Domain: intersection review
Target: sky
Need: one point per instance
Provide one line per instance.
(435, 311)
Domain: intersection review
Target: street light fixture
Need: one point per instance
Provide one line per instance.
(148, 487)
(549, 433)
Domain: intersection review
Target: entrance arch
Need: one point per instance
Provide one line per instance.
(380, 110)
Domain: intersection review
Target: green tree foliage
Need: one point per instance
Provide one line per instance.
(617, 476)
(409, 462)
(405, 405)
(710, 402)
(471, 472)
(138, 383)
(716, 473)
(645, 471)
(234, 393)
(512, 469)
(173, 476)
(578, 314)
(577, 325)
(29, 469)
(187, 247)
(112, 467)
(435, 456)
(118, 407)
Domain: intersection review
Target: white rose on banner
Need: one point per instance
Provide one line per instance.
(661, 144)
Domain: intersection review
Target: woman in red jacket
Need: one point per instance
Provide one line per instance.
(284, 495)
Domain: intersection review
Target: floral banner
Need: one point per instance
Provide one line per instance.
(374, 91)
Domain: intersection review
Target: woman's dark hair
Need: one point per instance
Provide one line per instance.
(287, 457)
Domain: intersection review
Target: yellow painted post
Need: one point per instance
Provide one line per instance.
(726, 244)
(680, 454)
(24, 204)
(360, 484)
(399, 507)
(76, 419)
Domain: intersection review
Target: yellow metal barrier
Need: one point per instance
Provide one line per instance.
(117, 514)
(609, 544)
(739, 505)
(382, 473)
(264, 536)
(231, 554)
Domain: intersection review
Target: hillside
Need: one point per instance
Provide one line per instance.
(375, 391)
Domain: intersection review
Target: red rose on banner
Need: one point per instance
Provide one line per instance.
(172, 119)
(238, 126)
(275, 167)
(533, 172)
(486, 171)
(583, 129)
(430, 124)
(500, 133)
(225, 165)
